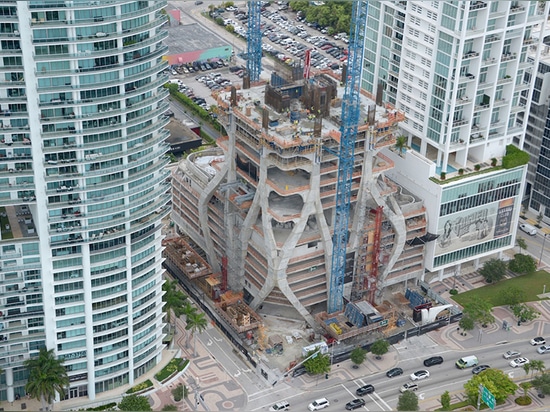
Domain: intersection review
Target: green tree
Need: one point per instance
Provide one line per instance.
(522, 244)
(495, 380)
(445, 401)
(542, 383)
(196, 323)
(401, 144)
(525, 386)
(134, 403)
(523, 264)
(379, 348)
(180, 392)
(47, 377)
(408, 401)
(513, 295)
(317, 365)
(174, 299)
(534, 366)
(524, 312)
(480, 311)
(358, 355)
(493, 270)
(466, 323)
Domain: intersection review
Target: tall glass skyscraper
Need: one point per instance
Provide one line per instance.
(461, 73)
(82, 189)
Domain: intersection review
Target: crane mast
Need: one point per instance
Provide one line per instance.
(254, 42)
(351, 105)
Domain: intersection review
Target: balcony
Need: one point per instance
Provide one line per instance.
(470, 54)
(508, 56)
(478, 5)
(516, 8)
(459, 122)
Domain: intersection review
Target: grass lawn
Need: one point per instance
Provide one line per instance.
(532, 285)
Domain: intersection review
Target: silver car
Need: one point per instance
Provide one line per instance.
(511, 354)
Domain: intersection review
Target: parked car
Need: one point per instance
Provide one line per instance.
(364, 390)
(419, 375)
(543, 349)
(354, 404)
(434, 360)
(511, 354)
(394, 372)
(518, 362)
(480, 368)
(409, 386)
(539, 340)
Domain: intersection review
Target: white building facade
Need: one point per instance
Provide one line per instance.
(82, 190)
(460, 72)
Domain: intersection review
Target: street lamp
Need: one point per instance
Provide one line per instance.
(542, 249)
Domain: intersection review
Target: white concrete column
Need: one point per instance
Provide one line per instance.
(9, 384)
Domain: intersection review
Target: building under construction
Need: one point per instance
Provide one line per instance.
(261, 205)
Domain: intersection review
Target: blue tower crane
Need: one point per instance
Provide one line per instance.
(254, 41)
(351, 105)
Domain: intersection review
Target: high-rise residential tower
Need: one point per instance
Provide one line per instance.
(459, 71)
(537, 140)
(82, 189)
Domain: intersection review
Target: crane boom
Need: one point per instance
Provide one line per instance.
(351, 104)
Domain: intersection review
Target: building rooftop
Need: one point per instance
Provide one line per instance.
(292, 123)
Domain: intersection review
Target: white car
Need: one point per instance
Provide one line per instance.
(280, 406)
(419, 375)
(518, 362)
(318, 404)
(543, 349)
(511, 354)
(539, 340)
(412, 387)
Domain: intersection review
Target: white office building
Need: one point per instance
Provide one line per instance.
(460, 72)
(82, 189)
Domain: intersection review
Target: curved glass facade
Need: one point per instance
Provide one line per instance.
(82, 189)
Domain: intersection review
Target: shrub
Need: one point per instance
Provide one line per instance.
(110, 405)
(453, 292)
(494, 161)
(523, 400)
(140, 386)
(443, 175)
(175, 365)
(460, 172)
(514, 157)
(477, 167)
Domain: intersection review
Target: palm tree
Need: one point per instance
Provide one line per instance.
(536, 366)
(522, 244)
(196, 322)
(401, 144)
(525, 386)
(188, 310)
(47, 377)
(174, 299)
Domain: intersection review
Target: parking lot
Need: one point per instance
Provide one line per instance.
(286, 37)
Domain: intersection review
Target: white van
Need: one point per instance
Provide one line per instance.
(530, 230)
(467, 362)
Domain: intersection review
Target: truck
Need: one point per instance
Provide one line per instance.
(467, 362)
